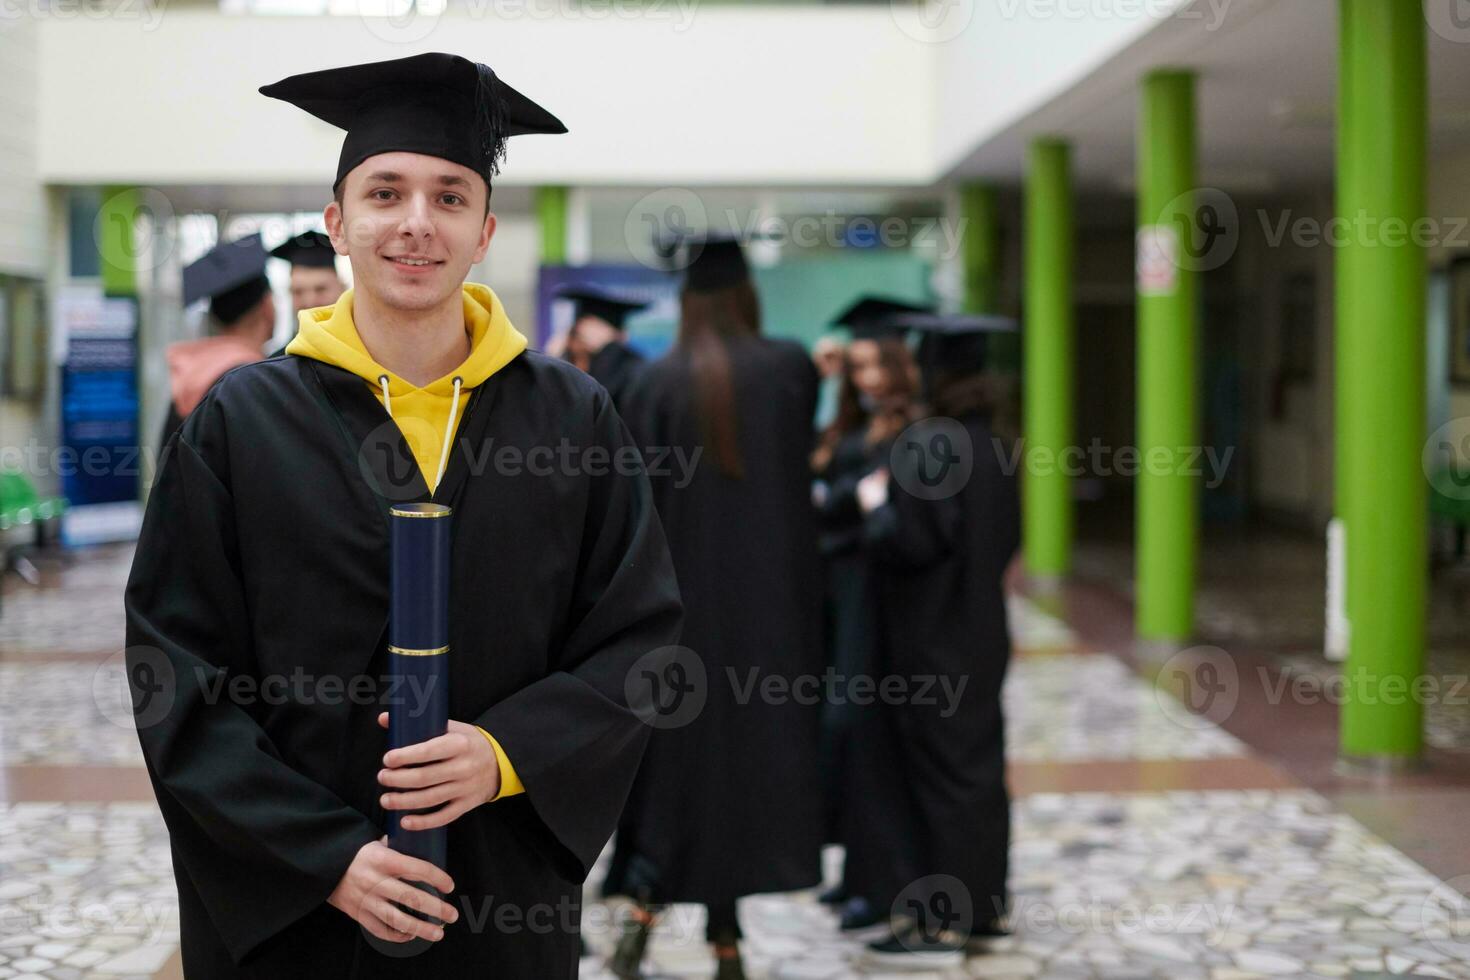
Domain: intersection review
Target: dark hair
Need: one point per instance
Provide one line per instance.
(897, 411)
(706, 321)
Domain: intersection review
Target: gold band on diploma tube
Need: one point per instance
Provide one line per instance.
(421, 510)
(402, 652)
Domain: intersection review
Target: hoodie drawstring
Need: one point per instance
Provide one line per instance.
(448, 429)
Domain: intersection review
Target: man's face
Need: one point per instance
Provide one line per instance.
(312, 287)
(412, 226)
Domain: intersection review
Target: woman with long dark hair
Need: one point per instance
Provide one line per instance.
(727, 803)
(875, 404)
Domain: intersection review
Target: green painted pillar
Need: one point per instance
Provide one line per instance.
(980, 244)
(1167, 521)
(551, 211)
(1048, 355)
(1380, 431)
(118, 258)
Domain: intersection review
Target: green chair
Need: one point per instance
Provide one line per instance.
(21, 505)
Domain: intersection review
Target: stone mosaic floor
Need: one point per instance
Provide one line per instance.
(85, 891)
(1220, 885)
(1087, 707)
(1223, 885)
(66, 714)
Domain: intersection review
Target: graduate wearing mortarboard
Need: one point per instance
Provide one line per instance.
(264, 559)
(242, 316)
(876, 402)
(314, 279)
(596, 342)
(730, 804)
(939, 552)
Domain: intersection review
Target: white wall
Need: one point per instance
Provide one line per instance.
(22, 202)
(1013, 56)
(789, 96)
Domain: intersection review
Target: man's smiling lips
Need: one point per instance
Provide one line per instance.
(413, 263)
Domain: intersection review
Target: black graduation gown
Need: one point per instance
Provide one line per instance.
(264, 554)
(729, 804)
(848, 612)
(616, 367)
(939, 567)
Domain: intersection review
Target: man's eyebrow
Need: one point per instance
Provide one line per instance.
(387, 176)
(393, 177)
(453, 180)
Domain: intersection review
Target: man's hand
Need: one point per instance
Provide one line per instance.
(458, 770)
(377, 878)
(872, 491)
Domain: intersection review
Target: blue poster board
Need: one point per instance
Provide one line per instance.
(100, 462)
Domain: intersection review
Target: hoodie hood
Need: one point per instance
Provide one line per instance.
(195, 365)
(328, 334)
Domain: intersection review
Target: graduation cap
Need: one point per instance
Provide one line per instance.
(440, 105)
(954, 341)
(591, 301)
(711, 260)
(876, 318)
(232, 275)
(312, 249)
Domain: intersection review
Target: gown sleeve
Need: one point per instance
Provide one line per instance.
(575, 736)
(262, 843)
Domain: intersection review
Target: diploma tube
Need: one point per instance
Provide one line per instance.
(418, 650)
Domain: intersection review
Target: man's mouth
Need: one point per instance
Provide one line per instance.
(412, 263)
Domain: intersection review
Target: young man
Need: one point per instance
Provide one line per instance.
(314, 279)
(596, 342)
(242, 316)
(258, 603)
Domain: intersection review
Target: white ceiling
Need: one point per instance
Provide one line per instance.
(1267, 94)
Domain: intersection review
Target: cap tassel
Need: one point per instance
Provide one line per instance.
(490, 118)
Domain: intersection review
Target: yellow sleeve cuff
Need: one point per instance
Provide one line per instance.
(510, 783)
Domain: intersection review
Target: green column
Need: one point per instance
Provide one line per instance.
(980, 243)
(1048, 355)
(1168, 496)
(118, 258)
(551, 211)
(1381, 281)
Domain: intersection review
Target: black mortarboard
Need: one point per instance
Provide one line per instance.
(591, 301)
(954, 341)
(232, 275)
(312, 249)
(877, 318)
(711, 261)
(437, 104)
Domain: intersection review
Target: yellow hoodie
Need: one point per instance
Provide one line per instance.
(328, 334)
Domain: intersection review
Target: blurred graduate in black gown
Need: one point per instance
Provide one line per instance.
(943, 525)
(727, 802)
(596, 342)
(242, 316)
(876, 402)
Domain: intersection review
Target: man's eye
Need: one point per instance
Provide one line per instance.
(380, 191)
(452, 199)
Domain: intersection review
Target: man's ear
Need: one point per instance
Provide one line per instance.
(487, 232)
(336, 229)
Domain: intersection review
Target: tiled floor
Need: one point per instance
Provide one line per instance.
(1149, 842)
